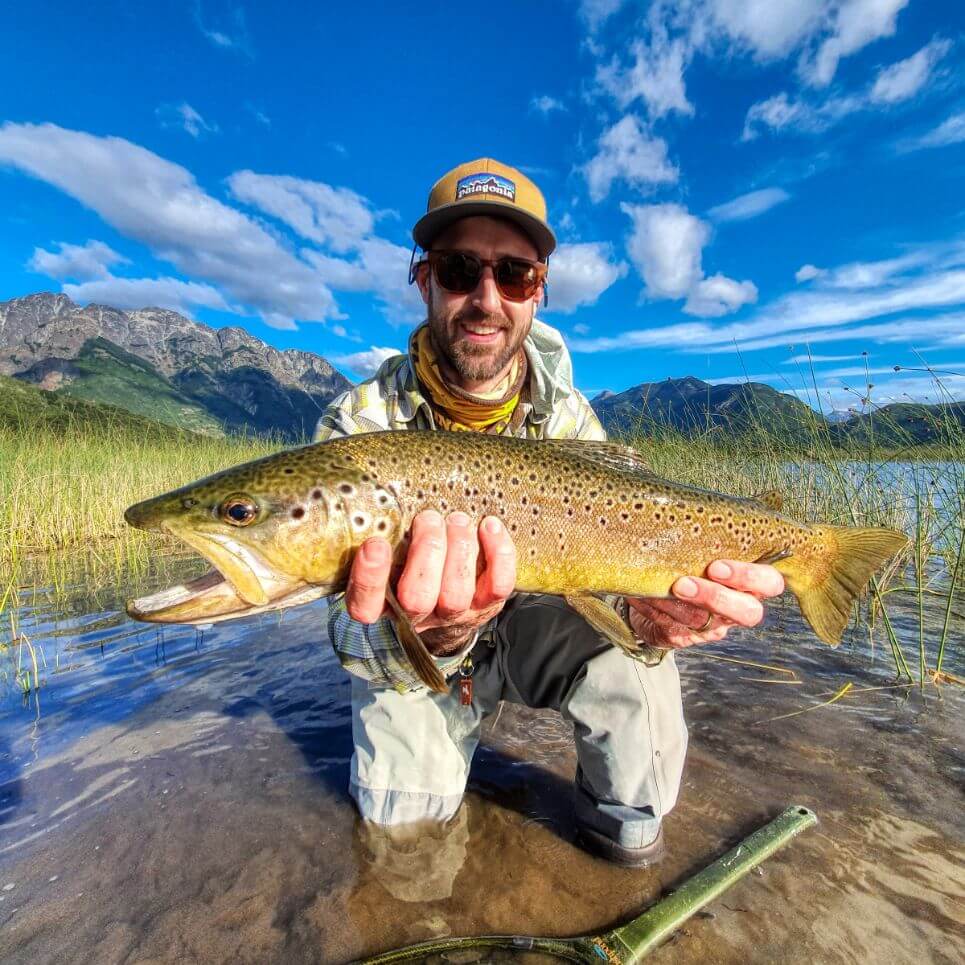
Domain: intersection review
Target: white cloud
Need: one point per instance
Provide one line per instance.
(656, 75)
(143, 292)
(259, 115)
(749, 205)
(546, 104)
(337, 217)
(365, 364)
(76, 261)
(780, 113)
(719, 295)
(950, 131)
(904, 79)
(807, 359)
(808, 272)
(595, 12)
(873, 274)
(770, 30)
(186, 117)
(581, 329)
(665, 247)
(229, 33)
(160, 204)
(855, 24)
(627, 152)
(580, 273)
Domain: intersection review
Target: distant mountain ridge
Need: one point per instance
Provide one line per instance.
(158, 363)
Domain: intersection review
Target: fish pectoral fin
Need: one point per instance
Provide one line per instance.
(605, 620)
(772, 499)
(415, 649)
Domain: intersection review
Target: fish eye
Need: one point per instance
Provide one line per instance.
(238, 510)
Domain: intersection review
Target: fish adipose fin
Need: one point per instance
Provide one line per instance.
(827, 586)
(605, 620)
(772, 499)
(415, 649)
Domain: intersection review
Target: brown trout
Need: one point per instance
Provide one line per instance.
(587, 518)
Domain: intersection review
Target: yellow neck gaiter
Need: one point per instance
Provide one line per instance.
(456, 410)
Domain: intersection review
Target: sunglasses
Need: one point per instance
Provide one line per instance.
(459, 272)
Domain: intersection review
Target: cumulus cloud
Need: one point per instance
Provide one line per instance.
(186, 117)
(337, 217)
(780, 112)
(665, 247)
(807, 273)
(158, 203)
(546, 104)
(172, 293)
(596, 12)
(719, 295)
(82, 262)
(907, 77)
(749, 205)
(627, 152)
(855, 24)
(580, 273)
(656, 76)
(365, 364)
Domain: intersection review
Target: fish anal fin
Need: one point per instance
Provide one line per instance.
(772, 499)
(605, 620)
(827, 586)
(415, 649)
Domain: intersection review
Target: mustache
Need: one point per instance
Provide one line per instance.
(481, 318)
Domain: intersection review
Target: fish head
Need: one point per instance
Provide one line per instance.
(271, 530)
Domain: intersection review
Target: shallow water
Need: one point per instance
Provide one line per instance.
(176, 796)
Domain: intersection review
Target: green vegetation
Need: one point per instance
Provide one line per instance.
(68, 470)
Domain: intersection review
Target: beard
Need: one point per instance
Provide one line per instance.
(471, 360)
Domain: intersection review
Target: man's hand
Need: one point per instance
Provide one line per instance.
(439, 589)
(731, 597)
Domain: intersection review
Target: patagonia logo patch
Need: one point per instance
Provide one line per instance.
(485, 184)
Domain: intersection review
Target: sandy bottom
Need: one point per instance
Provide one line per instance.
(209, 821)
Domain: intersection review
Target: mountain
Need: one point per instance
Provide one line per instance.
(26, 409)
(693, 407)
(907, 423)
(158, 362)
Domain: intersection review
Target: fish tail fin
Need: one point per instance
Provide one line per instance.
(826, 583)
(415, 649)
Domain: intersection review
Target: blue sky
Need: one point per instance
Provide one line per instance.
(735, 183)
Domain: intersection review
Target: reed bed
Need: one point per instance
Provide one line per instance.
(63, 492)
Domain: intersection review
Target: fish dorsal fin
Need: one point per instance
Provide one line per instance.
(611, 454)
(772, 499)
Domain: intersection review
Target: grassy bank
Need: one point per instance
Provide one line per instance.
(64, 488)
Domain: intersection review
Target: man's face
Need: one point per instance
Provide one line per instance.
(479, 333)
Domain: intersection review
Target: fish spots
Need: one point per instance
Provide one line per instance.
(298, 512)
(316, 494)
(288, 471)
(382, 498)
(346, 489)
(360, 520)
(381, 525)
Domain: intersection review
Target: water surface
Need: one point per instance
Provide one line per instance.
(177, 796)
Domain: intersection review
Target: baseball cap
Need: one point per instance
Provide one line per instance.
(486, 187)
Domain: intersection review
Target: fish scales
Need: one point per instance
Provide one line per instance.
(586, 518)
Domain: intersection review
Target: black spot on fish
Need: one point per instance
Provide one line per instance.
(298, 512)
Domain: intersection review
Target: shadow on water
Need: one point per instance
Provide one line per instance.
(178, 796)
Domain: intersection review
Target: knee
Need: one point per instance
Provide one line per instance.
(388, 807)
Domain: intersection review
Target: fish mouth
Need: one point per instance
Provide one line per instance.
(241, 584)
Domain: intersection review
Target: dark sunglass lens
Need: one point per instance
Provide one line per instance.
(457, 272)
(516, 279)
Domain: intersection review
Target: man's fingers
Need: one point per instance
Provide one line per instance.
(421, 579)
(365, 593)
(740, 608)
(756, 578)
(459, 572)
(498, 579)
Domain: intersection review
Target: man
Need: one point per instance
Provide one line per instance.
(482, 362)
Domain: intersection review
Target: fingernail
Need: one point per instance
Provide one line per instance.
(375, 551)
(685, 586)
(457, 519)
(492, 525)
(720, 570)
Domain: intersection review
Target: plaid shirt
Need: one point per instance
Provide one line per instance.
(551, 408)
